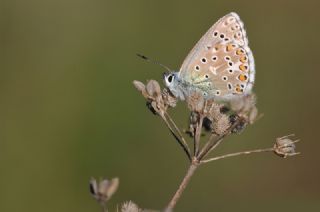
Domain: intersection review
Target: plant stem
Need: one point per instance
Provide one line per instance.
(104, 207)
(182, 186)
(179, 132)
(237, 154)
(197, 135)
(180, 139)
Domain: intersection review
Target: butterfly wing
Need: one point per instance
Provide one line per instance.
(221, 63)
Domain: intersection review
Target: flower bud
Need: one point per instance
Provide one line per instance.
(285, 146)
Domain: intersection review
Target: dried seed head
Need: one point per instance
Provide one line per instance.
(140, 87)
(221, 125)
(157, 101)
(130, 207)
(168, 98)
(213, 110)
(253, 114)
(285, 146)
(237, 104)
(153, 88)
(103, 190)
(240, 125)
(196, 102)
(249, 102)
(217, 120)
(243, 104)
(245, 108)
(93, 186)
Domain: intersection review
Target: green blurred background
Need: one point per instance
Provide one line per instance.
(69, 111)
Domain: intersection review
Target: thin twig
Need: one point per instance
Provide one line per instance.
(104, 207)
(181, 188)
(181, 142)
(179, 132)
(197, 135)
(237, 154)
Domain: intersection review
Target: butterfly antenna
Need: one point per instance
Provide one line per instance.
(154, 62)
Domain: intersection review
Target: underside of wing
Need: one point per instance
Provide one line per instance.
(221, 64)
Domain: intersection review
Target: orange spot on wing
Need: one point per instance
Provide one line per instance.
(229, 47)
(240, 52)
(243, 77)
(238, 89)
(243, 67)
(243, 59)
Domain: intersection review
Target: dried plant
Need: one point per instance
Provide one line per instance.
(206, 116)
(102, 191)
(130, 207)
(217, 119)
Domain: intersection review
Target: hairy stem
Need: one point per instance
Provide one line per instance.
(182, 187)
(237, 154)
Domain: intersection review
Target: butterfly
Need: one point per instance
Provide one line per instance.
(220, 66)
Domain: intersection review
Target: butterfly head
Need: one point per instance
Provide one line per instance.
(172, 82)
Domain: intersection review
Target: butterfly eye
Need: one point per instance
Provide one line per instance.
(170, 78)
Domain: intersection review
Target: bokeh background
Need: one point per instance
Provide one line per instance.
(69, 111)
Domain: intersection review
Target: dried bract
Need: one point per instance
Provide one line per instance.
(102, 191)
(285, 146)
